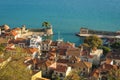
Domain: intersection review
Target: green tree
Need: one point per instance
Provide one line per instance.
(57, 78)
(105, 49)
(93, 41)
(115, 45)
(46, 25)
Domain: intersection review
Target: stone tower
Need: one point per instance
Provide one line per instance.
(49, 31)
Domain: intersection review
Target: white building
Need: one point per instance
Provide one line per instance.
(35, 41)
(96, 55)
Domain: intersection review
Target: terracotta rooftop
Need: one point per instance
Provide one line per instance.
(75, 58)
(103, 68)
(31, 50)
(35, 61)
(73, 52)
(51, 58)
(62, 52)
(88, 64)
(10, 47)
(18, 40)
(17, 29)
(95, 73)
(65, 45)
(114, 55)
(46, 41)
(53, 50)
(106, 67)
(108, 61)
(80, 64)
(84, 53)
(61, 67)
(91, 56)
(48, 63)
(54, 43)
(62, 61)
(52, 54)
(41, 63)
(13, 33)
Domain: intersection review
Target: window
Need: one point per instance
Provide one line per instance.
(61, 75)
(83, 69)
(56, 73)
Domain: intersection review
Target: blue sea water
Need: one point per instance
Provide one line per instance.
(66, 16)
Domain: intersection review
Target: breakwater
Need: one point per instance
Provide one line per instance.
(84, 32)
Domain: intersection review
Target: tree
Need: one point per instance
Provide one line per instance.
(47, 25)
(93, 41)
(105, 49)
(116, 45)
(114, 75)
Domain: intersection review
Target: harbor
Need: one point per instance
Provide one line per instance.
(84, 32)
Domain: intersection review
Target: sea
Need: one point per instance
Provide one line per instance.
(66, 16)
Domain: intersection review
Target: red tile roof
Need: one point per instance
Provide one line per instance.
(63, 61)
(54, 43)
(108, 61)
(31, 50)
(48, 63)
(53, 50)
(36, 61)
(114, 55)
(73, 52)
(17, 29)
(9, 45)
(46, 41)
(18, 40)
(106, 67)
(91, 56)
(62, 52)
(9, 48)
(95, 73)
(66, 45)
(1, 60)
(84, 53)
(61, 67)
(13, 33)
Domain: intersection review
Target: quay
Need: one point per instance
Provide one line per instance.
(84, 32)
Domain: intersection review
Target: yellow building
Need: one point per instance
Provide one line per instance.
(38, 76)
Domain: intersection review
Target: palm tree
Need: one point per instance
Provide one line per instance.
(46, 24)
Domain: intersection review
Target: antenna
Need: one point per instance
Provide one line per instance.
(58, 35)
(59, 39)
